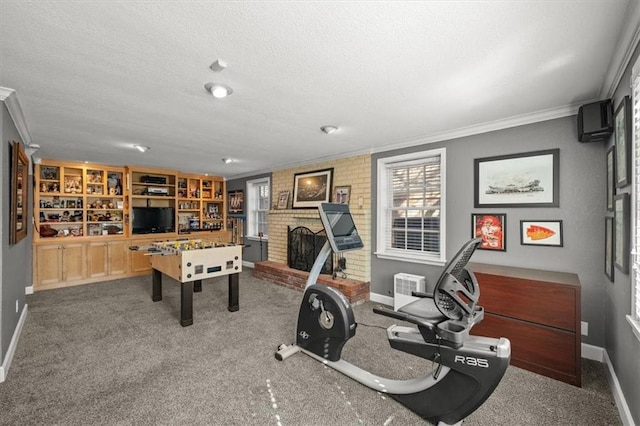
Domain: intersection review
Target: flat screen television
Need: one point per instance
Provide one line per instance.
(151, 220)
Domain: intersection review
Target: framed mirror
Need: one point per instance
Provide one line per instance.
(19, 204)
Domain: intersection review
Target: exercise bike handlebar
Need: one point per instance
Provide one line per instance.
(403, 316)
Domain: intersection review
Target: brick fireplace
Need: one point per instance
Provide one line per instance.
(355, 287)
(354, 172)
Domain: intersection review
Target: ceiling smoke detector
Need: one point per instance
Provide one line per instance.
(329, 129)
(218, 65)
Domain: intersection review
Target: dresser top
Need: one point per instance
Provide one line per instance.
(526, 273)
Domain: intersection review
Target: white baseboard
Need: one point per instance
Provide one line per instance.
(248, 264)
(28, 290)
(594, 353)
(380, 298)
(618, 396)
(4, 368)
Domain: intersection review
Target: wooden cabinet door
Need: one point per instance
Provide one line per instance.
(48, 265)
(106, 258)
(138, 262)
(73, 262)
(117, 257)
(97, 259)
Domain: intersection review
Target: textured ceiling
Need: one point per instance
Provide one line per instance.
(94, 78)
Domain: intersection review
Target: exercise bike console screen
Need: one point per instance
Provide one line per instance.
(340, 228)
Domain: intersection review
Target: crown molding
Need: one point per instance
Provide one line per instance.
(491, 126)
(519, 120)
(10, 99)
(626, 45)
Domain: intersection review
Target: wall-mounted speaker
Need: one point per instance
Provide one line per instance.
(595, 121)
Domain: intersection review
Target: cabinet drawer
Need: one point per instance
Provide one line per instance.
(554, 305)
(544, 350)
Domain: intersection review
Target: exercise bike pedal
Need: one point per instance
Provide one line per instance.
(436, 372)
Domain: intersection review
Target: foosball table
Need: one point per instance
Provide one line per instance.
(191, 261)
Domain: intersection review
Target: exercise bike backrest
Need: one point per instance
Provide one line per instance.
(456, 292)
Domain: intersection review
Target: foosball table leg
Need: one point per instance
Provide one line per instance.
(234, 292)
(156, 292)
(186, 303)
(197, 286)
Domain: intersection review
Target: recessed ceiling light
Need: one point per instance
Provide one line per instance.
(329, 129)
(142, 148)
(227, 160)
(218, 90)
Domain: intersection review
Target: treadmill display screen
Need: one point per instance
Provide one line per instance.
(341, 224)
(340, 228)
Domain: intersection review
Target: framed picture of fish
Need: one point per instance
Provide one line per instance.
(529, 179)
(492, 229)
(541, 233)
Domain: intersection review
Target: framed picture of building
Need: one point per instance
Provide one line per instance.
(310, 189)
(529, 179)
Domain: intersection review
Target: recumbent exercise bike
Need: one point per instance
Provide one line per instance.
(468, 368)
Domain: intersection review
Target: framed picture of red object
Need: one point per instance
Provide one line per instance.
(541, 233)
(492, 229)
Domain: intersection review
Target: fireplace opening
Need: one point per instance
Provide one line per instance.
(303, 246)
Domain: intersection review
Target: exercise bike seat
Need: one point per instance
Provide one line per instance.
(446, 315)
(425, 309)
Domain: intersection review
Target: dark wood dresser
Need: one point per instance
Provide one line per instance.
(539, 312)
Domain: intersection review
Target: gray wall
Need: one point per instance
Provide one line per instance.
(253, 251)
(622, 345)
(582, 177)
(16, 259)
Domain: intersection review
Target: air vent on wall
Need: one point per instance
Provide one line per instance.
(403, 285)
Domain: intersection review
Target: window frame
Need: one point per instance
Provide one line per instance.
(384, 166)
(252, 188)
(634, 272)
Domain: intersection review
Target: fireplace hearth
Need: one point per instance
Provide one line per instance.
(303, 246)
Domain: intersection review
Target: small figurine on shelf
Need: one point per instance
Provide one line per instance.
(65, 216)
(96, 177)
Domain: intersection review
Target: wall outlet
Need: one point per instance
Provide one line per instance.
(585, 328)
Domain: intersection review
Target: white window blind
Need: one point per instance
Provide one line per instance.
(410, 208)
(258, 201)
(635, 258)
(634, 318)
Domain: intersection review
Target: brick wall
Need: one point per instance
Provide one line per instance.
(354, 171)
(355, 291)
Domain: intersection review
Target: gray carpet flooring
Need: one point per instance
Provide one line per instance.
(106, 354)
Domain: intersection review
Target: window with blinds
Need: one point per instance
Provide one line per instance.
(410, 207)
(258, 201)
(634, 319)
